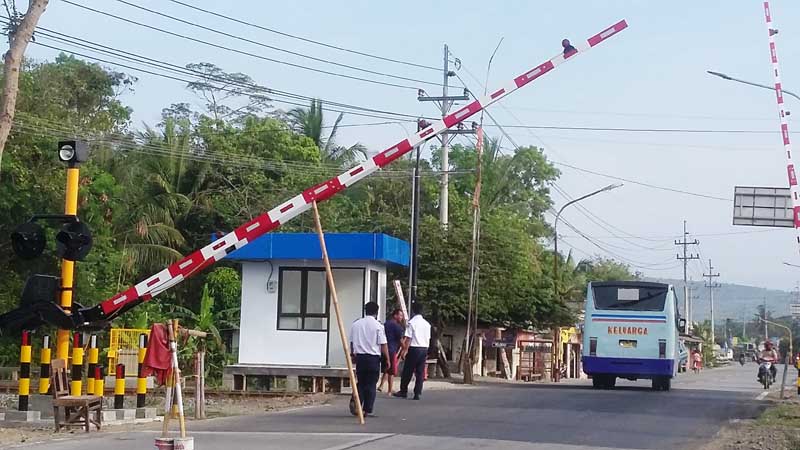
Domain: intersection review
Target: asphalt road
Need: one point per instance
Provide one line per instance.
(564, 416)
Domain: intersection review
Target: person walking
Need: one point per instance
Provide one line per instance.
(367, 343)
(415, 352)
(394, 337)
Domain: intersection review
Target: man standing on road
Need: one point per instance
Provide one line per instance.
(394, 337)
(415, 351)
(367, 343)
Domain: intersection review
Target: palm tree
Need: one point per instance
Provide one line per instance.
(157, 178)
(310, 122)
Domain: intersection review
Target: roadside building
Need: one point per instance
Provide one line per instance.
(288, 337)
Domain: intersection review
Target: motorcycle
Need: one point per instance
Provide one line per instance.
(765, 374)
(741, 359)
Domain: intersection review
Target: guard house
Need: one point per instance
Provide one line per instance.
(288, 335)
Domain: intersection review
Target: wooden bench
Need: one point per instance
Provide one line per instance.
(68, 410)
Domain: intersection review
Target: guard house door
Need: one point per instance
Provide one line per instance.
(350, 287)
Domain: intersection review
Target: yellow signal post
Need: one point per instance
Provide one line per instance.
(68, 267)
(72, 153)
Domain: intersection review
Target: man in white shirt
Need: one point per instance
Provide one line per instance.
(415, 352)
(367, 343)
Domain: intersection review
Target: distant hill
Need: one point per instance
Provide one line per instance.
(734, 301)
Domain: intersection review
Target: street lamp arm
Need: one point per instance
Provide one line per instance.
(764, 86)
(788, 330)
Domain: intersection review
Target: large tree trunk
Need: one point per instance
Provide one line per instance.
(12, 61)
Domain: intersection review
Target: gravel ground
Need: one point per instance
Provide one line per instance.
(778, 428)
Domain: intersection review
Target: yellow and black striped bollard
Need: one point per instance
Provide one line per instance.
(77, 365)
(141, 381)
(24, 371)
(94, 353)
(44, 367)
(99, 381)
(119, 388)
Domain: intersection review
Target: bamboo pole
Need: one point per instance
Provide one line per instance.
(342, 335)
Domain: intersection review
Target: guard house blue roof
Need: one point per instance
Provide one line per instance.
(341, 246)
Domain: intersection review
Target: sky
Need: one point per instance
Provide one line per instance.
(651, 76)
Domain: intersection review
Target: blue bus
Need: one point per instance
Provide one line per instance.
(631, 331)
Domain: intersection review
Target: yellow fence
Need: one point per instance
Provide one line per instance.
(124, 349)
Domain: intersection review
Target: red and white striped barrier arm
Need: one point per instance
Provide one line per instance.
(295, 206)
(787, 145)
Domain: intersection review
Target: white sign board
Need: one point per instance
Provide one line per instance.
(762, 207)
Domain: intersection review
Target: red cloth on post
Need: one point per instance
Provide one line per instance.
(157, 359)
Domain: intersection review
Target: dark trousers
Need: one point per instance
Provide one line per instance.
(414, 365)
(368, 370)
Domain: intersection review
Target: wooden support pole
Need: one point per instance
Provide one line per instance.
(342, 334)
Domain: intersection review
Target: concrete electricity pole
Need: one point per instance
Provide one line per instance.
(686, 257)
(445, 102)
(711, 285)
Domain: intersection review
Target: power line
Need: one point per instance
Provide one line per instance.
(271, 47)
(242, 52)
(641, 130)
(641, 183)
(257, 87)
(311, 41)
(134, 57)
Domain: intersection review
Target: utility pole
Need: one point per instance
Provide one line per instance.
(445, 102)
(711, 285)
(766, 327)
(686, 257)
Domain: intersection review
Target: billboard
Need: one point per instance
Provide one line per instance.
(762, 206)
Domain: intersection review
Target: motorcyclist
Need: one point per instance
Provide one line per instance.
(769, 354)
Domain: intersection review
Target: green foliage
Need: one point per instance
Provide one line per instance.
(157, 195)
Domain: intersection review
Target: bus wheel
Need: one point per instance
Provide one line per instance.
(656, 386)
(611, 381)
(597, 381)
(666, 384)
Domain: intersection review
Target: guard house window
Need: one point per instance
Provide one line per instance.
(373, 286)
(302, 300)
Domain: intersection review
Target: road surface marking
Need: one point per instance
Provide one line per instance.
(762, 395)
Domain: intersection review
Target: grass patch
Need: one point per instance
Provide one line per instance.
(783, 415)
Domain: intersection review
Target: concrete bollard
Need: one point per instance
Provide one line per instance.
(141, 380)
(94, 353)
(119, 388)
(44, 367)
(24, 371)
(76, 386)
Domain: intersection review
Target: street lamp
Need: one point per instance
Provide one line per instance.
(556, 344)
(730, 78)
(790, 264)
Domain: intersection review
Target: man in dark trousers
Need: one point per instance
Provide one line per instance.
(394, 338)
(415, 352)
(367, 343)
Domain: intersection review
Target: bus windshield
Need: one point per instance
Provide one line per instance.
(629, 298)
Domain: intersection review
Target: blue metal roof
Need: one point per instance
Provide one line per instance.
(341, 246)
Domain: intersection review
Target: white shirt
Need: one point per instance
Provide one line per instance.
(419, 332)
(367, 335)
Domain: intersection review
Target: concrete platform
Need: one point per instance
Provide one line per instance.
(22, 416)
(146, 413)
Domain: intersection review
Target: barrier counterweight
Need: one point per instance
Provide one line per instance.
(24, 371)
(141, 380)
(44, 366)
(77, 365)
(119, 387)
(94, 353)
